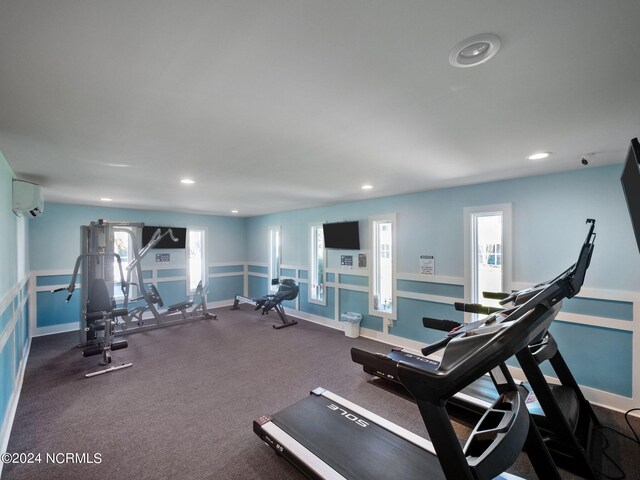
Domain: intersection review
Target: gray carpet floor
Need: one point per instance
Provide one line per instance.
(185, 408)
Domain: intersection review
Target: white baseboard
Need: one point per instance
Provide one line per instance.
(10, 415)
(310, 317)
(220, 304)
(53, 329)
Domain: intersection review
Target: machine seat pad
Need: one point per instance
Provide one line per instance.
(179, 306)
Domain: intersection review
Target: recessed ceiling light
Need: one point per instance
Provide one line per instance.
(118, 165)
(105, 199)
(475, 50)
(367, 187)
(538, 156)
(234, 211)
(187, 181)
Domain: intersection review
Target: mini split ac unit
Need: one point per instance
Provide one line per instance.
(27, 198)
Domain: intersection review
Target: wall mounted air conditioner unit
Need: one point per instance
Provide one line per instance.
(27, 198)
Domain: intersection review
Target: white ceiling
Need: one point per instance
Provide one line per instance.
(274, 105)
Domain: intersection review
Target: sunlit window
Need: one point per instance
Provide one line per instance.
(122, 246)
(196, 255)
(487, 266)
(316, 270)
(382, 274)
(274, 257)
(488, 240)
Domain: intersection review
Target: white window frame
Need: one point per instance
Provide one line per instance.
(373, 221)
(470, 250)
(313, 255)
(274, 272)
(117, 291)
(205, 269)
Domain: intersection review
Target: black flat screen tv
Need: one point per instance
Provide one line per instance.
(630, 180)
(342, 235)
(179, 232)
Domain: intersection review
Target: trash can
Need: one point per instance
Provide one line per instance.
(351, 324)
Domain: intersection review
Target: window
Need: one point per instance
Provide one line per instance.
(316, 267)
(196, 258)
(274, 257)
(487, 262)
(122, 246)
(382, 267)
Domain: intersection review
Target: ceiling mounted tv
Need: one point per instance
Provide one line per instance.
(630, 180)
(166, 242)
(342, 235)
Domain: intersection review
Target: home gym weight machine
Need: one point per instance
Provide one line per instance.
(98, 312)
(180, 312)
(100, 319)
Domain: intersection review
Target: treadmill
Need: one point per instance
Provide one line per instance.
(561, 412)
(563, 415)
(470, 403)
(328, 437)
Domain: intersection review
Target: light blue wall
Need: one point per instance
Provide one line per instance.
(14, 306)
(55, 238)
(55, 244)
(549, 214)
(9, 229)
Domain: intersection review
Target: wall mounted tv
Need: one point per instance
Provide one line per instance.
(631, 186)
(342, 235)
(166, 242)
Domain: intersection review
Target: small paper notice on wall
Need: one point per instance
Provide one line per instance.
(346, 260)
(163, 257)
(427, 265)
(362, 260)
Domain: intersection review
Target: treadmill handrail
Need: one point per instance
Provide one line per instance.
(496, 346)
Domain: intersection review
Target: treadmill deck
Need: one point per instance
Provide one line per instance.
(347, 441)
